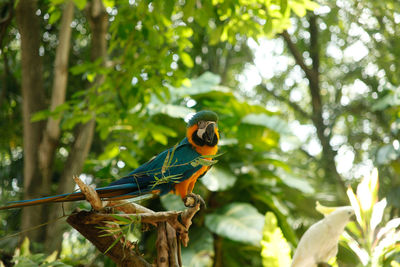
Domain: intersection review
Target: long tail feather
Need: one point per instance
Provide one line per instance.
(52, 199)
(119, 191)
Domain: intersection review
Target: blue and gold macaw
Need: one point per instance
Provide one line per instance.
(174, 170)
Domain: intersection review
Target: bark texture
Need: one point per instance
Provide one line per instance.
(52, 131)
(33, 100)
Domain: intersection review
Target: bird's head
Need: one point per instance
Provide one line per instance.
(340, 216)
(344, 211)
(202, 129)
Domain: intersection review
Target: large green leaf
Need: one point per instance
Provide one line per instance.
(271, 122)
(299, 183)
(237, 221)
(218, 179)
(275, 250)
(200, 250)
(172, 202)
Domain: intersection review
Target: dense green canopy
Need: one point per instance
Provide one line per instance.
(307, 95)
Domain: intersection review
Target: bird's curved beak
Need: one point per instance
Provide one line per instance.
(210, 133)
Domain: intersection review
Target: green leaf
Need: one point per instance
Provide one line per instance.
(121, 219)
(159, 137)
(172, 202)
(129, 159)
(275, 250)
(25, 247)
(172, 110)
(54, 16)
(297, 182)
(205, 162)
(113, 244)
(200, 250)
(111, 151)
(218, 179)
(186, 59)
(274, 123)
(284, 5)
(215, 35)
(109, 3)
(40, 115)
(386, 154)
(90, 77)
(237, 221)
(298, 9)
(80, 4)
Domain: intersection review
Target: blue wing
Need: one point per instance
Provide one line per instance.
(161, 173)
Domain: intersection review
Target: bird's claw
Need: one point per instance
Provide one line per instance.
(191, 200)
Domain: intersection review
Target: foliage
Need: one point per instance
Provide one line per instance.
(237, 221)
(375, 237)
(168, 59)
(275, 249)
(24, 258)
(200, 251)
(122, 227)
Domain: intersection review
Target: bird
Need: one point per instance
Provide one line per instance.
(320, 242)
(174, 170)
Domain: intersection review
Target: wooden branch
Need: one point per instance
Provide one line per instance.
(174, 246)
(120, 253)
(314, 45)
(152, 218)
(186, 218)
(162, 245)
(298, 57)
(90, 194)
(128, 207)
(172, 229)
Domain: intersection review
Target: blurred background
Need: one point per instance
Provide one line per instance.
(307, 94)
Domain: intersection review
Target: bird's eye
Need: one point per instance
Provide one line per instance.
(202, 124)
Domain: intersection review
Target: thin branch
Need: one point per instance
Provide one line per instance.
(90, 194)
(128, 207)
(314, 46)
(305, 152)
(283, 99)
(298, 57)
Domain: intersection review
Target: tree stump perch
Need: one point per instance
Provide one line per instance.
(172, 229)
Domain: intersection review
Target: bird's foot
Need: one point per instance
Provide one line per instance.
(191, 200)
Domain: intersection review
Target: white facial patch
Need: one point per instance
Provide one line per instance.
(202, 127)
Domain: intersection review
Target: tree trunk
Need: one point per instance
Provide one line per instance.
(98, 20)
(323, 131)
(52, 132)
(33, 100)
